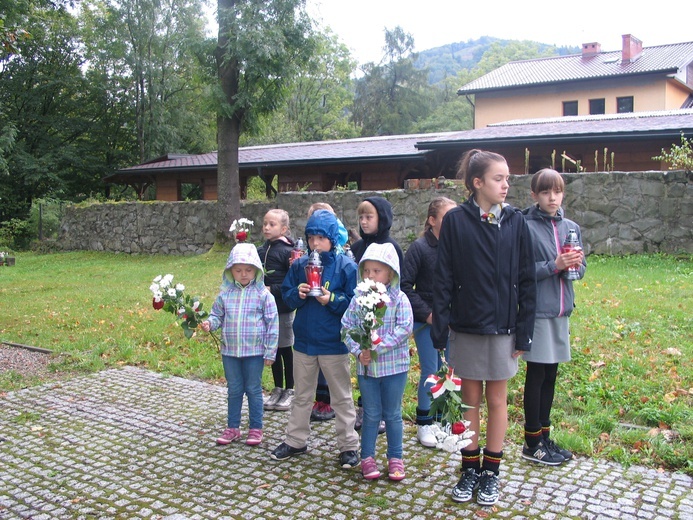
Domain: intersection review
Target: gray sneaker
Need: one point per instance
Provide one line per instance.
(272, 399)
(284, 402)
(359, 418)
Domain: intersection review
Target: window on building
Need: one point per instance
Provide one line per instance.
(624, 105)
(190, 191)
(597, 106)
(570, 108)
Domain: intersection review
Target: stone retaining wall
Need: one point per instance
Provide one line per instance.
(619, 213)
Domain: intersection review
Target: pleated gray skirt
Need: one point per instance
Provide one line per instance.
(551, 341)
(483, 358)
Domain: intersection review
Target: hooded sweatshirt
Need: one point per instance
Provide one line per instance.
(555, 295)
(246, 315)
(316, 327)
(384, 210)
(393, 350)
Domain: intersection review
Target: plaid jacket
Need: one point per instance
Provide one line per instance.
(398, 322)
(247, 315)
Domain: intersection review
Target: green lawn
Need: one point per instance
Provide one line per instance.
(626, 395)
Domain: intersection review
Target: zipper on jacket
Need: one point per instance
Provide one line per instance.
(240, 315)
(561, 282)
(499, 240)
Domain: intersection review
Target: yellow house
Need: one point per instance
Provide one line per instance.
(635, 79)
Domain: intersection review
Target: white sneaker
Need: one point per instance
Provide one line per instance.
(284, 402)
(426, 436)
(272, 399)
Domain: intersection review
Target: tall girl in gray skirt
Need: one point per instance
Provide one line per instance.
(555, 302)
(484, 296)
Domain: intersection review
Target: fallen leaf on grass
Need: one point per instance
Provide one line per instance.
(481, 513)
(670, 435)
(673, 351)
(263, 486)
(597, 364)
(604, 437)
(527, 502)
(670, 397)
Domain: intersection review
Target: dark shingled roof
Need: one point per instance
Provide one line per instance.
(543, 71)
(367, 149)
(635, 125)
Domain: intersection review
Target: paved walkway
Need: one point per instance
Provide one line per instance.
(135, 444)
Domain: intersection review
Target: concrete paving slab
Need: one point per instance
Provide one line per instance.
(131, 443)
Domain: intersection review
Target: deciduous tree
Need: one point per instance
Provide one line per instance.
(392, 96)
(261, 45)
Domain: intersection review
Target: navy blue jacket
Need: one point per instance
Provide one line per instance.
(317, 328)
(485, 281)
(274, 256)
(382, 235)
(418, 274)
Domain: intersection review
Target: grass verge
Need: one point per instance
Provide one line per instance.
(626, 396)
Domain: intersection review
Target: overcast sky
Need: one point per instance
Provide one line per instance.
(360, 24)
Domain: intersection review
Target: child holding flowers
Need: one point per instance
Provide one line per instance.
(247, 315)
(376, 329)
(484, 298)
(418, 272)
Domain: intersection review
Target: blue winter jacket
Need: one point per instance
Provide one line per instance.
(317, 327)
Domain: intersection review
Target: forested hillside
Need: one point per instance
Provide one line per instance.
(449, 60)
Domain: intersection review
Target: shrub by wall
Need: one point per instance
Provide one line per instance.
(619, 213)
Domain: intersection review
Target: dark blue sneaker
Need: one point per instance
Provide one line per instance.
(284, 451)
(567, 455)
(348, 459)
(464, 490)
(542, 454)
(489, 488)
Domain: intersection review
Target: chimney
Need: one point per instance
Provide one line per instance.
(591, 49)
(631, 49)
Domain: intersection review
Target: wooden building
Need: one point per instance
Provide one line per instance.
(615, 142)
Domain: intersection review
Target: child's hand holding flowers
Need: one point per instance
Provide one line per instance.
(171, 298)
(371, 303)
